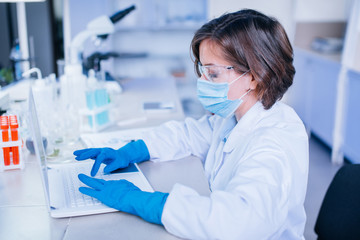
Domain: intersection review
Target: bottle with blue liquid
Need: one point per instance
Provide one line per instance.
(97, 100)
(16, 58)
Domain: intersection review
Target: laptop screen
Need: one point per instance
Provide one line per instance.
(38, 142)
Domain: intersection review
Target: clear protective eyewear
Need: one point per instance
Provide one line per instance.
(215, 73)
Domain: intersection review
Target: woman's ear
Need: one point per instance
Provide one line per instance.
(253, 83)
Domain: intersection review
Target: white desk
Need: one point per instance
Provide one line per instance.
(23, 212)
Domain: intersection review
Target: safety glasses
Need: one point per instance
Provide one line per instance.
(215, 73)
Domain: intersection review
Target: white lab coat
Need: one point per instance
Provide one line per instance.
(257, 170)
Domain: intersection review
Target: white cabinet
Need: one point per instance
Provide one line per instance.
(323, 75)
(313, 93)
(352, 118)
(313, 96)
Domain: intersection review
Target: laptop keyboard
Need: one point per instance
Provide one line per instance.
(75, 197)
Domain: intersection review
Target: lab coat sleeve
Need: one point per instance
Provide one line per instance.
(253, 205)
(175, 140)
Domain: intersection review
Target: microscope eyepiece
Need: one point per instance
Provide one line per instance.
(120, 14)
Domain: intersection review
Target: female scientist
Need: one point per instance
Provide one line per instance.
(254, 149)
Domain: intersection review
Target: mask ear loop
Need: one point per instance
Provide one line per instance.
(239, 77)
(245, 94)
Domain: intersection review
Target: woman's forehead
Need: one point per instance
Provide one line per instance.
(211, 53)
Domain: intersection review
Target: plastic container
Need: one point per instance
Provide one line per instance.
(95, 116)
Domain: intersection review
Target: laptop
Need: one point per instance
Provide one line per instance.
(61, 184)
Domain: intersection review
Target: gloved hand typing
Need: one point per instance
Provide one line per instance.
(126, 197)
(133, 152)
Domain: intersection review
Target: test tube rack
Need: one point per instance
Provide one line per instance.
(96, 119)
(10, 144)
(96, 115)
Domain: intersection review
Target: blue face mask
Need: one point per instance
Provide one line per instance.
(214, 97)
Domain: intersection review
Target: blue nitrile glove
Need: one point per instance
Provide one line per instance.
(133, 152)
(126, 197)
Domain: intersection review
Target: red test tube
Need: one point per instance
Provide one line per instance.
(4, 125)
(14, 137)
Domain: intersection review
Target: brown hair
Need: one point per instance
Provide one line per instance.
(252, 40)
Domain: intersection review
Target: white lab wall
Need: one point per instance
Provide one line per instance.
(282, 10)
(288, 12)
(83, 11)
(322, 10)
(166, 51)
(351, 52)
(155, 14)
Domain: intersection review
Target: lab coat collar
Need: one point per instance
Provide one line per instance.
(227, 127)
(243, 126)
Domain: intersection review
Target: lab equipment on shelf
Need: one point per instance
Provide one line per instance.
(10, 144)
(95, 116)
